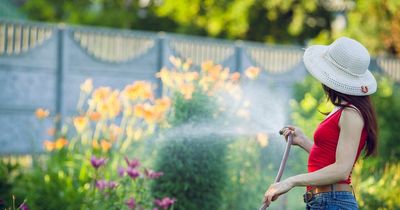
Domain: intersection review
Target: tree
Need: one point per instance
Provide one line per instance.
(276, 21)
(375, 23)
(272, 21)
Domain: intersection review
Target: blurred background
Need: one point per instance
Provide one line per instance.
(195, 89)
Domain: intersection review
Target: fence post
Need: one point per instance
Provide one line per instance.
(239, 56)
(61, 63)
(161, 53)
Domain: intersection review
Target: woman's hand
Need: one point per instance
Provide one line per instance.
(298, 135)
(277, 189)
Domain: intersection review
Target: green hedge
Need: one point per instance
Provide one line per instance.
(195, 167)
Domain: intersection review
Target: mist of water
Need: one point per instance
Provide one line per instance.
(266, 114)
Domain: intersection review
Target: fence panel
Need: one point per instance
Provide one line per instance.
(43, 65)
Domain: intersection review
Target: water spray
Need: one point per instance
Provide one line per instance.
(283, 162)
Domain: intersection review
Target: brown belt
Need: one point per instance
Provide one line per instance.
(326, 188)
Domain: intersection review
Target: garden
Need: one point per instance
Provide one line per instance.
(130, 149)
(196, 135)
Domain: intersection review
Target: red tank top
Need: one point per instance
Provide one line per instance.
(326, 136)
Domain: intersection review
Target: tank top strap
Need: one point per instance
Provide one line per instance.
(354, 107)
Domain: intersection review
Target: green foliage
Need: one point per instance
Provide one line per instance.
(63, 185)
(119, 14)
(195, 167)
(245, 175)
(308, 103)
(250, 170)
(377, 189)
(382, 18)
(69, 179)
(387, 104)
(195, 172)
(274, 21)
(200, 109)
(8, 174)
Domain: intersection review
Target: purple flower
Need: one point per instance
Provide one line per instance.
(112, 184)
(96, 163)
(131, 203)
(121, 171)
(23, 206)
(132, 163)
(152, 174)
(101, 184)
(164, 203)
(133, 173)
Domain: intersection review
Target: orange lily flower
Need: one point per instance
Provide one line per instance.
(41, 113)
(262, 139)
(187, 90)
(60, 143)
(87, 86)
(215, 72)
(187, 65)
(235, 77)
(207, 65)
(95, 144)
(139, 89)
(165, 77)
(80, 123)
(177, 62)
(150, 115)
(94, 116)
(138, 110)
(162, 104)
(49, 145)
(252, 72)
(101, 94)
(191, 76)
(114, 105)
(105, 145)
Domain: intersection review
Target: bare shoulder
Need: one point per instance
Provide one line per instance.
(351, 117)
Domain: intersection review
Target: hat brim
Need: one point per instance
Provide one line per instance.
(335, 78)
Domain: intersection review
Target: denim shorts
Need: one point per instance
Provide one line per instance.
(336, 200)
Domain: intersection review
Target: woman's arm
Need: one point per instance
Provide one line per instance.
(306, 144)
(298, 137)
(351, 125)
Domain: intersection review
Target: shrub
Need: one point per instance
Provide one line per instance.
(377, 189)
(196, 173)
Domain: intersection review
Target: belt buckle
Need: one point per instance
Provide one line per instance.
(308, 196)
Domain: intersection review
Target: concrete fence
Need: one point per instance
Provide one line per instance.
(43, 65)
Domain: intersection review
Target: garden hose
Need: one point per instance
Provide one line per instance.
(283, 162)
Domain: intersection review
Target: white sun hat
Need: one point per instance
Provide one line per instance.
(342, 66)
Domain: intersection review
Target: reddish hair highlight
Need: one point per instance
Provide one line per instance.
(364, 105)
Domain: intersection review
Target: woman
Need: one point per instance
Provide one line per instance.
(351, 127)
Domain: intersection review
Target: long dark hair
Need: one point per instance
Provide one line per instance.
(364, 105)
